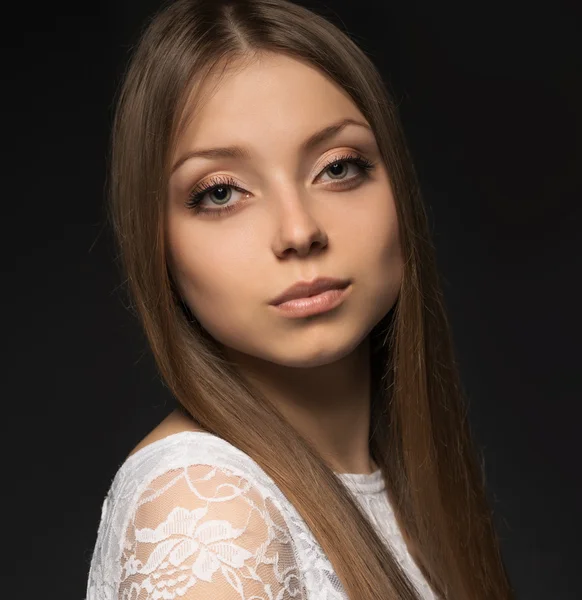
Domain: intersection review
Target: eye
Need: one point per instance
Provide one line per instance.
(222, 191)
(339, 168)
(219, 190)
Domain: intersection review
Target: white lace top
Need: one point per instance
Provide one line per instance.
(192, 517)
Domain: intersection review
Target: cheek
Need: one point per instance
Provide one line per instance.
(377, 255)
(211, 264)
(370, 232)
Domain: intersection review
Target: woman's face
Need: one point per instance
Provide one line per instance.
(282, 213)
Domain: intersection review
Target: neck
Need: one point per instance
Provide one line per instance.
(328, 404)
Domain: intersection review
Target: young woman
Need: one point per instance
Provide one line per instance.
(279, 257)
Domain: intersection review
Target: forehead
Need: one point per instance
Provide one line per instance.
(271, 96)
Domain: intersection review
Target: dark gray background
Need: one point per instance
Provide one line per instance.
(491, 101)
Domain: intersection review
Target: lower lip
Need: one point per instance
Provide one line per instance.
(313, 305)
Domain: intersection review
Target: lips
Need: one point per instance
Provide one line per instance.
(305, 289)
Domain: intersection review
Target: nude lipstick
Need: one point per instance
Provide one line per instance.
(308, 298)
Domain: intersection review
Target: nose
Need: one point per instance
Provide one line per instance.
(298, 231)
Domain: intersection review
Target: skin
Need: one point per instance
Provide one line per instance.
(294, 221)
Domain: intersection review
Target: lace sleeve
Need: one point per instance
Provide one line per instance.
(201, 532)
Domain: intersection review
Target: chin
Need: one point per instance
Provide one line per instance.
(310, 353)
(313, 345)
(308, 361)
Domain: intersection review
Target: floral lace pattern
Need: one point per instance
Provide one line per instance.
(192, 517)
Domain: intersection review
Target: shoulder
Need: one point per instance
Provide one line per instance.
(176, 422)
(191, 513)
(205, 531)
(179, 448)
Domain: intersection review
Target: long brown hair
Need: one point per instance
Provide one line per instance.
(419, 435)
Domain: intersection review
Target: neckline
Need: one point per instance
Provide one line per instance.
(365, 483)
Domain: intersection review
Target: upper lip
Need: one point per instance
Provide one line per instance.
(304, 289)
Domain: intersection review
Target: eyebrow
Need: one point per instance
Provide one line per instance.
(238, 152)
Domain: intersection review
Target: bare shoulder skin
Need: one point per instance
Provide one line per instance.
(175, 422)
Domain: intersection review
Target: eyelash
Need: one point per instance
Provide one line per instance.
(197, 195)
